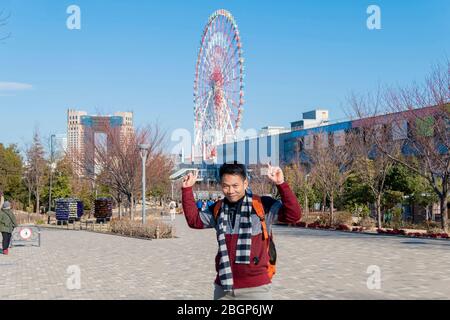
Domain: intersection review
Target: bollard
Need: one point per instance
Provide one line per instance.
(157, 232)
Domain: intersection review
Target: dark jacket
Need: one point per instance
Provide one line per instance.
(7, 221)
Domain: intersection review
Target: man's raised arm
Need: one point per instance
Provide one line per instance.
(194, 218)
(290, 212)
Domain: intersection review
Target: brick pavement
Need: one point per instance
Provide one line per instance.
(312, 264)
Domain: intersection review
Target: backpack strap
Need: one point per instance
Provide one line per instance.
(259, 209)
(217, 207)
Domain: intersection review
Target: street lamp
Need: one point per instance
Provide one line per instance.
(306, 195)
(143, 148)
(52, 168)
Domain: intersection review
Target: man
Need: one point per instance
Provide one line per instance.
(242, 263)
(7, 225)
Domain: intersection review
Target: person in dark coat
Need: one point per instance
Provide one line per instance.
(7, 224)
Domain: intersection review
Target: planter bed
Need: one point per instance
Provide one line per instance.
(393, 232)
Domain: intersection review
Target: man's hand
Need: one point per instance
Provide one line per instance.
(190, 180)
(275, 174)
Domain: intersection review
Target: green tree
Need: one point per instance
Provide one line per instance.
(62, 182)
(356, 192)
(11, 170)
(414, 186)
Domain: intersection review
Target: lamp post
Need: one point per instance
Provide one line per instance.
(306, 196)
(52, 167)
(143, 148)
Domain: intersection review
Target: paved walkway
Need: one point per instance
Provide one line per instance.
(312, 264)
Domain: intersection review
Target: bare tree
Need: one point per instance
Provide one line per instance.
(259, 182)
(35, 169)
(116, 161)
(158, 172)
(297, 174)
(330, 166)
(425, 110)
(371, 165)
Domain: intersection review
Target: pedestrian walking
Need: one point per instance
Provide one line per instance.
(7, 224)
(172, 210)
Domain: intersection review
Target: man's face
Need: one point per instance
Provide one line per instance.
(233, 187)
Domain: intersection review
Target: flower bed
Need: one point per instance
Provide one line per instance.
(428, 235)
(301, 224)
(414, 234)
(316, 225)
(393, 231)
(343, 227)
(401, 232)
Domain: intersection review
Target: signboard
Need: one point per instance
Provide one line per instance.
(26, 236)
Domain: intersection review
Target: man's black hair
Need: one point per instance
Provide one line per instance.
(233, 169)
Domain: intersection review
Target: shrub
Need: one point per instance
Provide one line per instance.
(342, 217)
(396, 218)
(153, 229)
(359, 210)
(433, 227)
(28, 218)
(368, 223)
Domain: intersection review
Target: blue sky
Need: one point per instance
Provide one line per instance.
(140, 56)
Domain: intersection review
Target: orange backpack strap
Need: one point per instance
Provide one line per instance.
(217, 207)
(259, 208)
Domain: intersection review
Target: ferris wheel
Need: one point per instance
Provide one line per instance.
(219, 84)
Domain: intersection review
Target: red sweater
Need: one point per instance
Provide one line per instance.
(254, 274)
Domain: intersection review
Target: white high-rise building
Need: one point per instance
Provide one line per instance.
(75, 136)
(82, 129)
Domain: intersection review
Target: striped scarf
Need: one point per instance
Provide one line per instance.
(244, 240)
